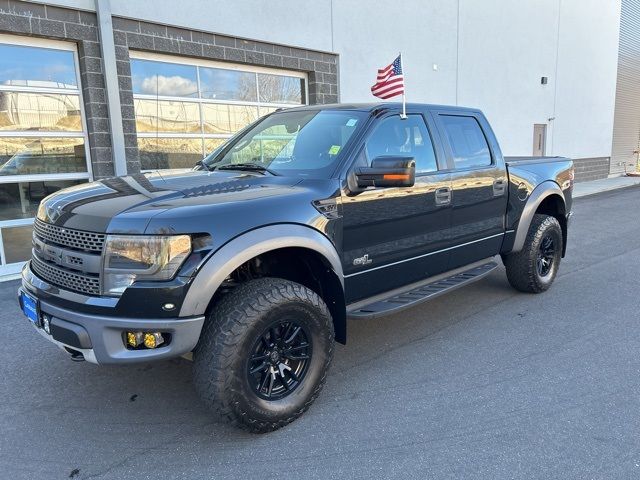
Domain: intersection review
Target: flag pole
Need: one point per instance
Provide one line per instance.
(404, 103)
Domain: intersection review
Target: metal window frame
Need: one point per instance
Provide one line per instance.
(203, 63)
(14, 268)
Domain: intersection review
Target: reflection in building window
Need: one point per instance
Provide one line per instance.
(281, 89)
(222, 84)
(202, 105)
(40, 112)
(163, 79)
(227, 119)
(21, 200)
(161, 153)
(167, 116)
(42, 138)
(36, 156)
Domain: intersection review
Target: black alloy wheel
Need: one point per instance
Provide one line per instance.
(546, 256)
(279, 361)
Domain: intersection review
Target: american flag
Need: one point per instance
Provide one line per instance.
(390, 81)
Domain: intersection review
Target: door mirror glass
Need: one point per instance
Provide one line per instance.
(387, 171)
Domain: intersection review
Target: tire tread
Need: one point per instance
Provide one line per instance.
(224, 330)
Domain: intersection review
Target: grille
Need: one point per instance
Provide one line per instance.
(65, 279)
(77, 239)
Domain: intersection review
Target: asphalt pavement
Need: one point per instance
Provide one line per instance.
(485, 382)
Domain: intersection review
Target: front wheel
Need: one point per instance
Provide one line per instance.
(534, 268)
(264, 353)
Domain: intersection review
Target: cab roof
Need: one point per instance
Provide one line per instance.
(370, 107)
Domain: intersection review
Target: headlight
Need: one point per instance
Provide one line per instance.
(128, 258)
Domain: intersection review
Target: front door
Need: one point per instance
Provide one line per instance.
(395, 236)
(478, 188)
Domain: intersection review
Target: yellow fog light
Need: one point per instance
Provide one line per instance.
(134, 339)
(152, 340)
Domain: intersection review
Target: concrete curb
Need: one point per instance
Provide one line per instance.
(604, 185)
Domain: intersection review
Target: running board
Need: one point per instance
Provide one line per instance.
(421, 293)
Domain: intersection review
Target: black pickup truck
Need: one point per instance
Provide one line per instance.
(253, 261)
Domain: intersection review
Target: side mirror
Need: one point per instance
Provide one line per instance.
(387, 171)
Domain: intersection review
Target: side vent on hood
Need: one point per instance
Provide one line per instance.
(213, 189)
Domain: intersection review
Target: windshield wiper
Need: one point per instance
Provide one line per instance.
(253, 167)
(200, 163)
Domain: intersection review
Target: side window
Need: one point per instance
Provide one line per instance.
(468, 143)
(394, 136)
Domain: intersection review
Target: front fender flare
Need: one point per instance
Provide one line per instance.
(247, 246)
(542, 191)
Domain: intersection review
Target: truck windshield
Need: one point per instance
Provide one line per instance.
(306, 143)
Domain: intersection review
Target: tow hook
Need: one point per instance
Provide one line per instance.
(75, 355)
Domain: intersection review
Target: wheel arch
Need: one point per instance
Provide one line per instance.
(289, 239)
(547, 198)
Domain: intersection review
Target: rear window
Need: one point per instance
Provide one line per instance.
(468, 143)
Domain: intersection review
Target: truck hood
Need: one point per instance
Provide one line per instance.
(127, 204)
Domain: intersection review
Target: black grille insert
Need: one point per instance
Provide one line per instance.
(66, 237)
(65, 279)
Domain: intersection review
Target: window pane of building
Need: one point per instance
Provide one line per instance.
(281, 89)
(20, 200)
(169, 117)
(227, 119)
(36, 67)
(31, 155)
(17, 243)
(40, 112)
(157, 153)
(166, 79)
(222, 84)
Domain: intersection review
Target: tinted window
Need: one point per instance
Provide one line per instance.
(394, 136)
(468, 143)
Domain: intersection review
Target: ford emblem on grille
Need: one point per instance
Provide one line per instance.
(53, 254)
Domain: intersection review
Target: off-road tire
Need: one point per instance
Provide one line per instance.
(522, 271)
(230, 330)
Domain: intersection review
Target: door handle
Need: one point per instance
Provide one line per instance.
(443, 196)
(499, 187)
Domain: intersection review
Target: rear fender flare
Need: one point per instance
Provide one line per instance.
(542, 191)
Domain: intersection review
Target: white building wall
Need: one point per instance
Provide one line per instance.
(586, 79)
(489, 54)
(370, 38)
(504, 50)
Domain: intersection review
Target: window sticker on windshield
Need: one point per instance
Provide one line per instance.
(351, 122)
(334, 149)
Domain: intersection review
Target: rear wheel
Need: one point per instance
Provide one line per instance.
(534, 268)
(264, 353)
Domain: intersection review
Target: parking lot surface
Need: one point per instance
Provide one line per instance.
(483, 383)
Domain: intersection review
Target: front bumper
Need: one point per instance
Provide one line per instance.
(100, 337)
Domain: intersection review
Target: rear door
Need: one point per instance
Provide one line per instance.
(478, 186)
(396, 236)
